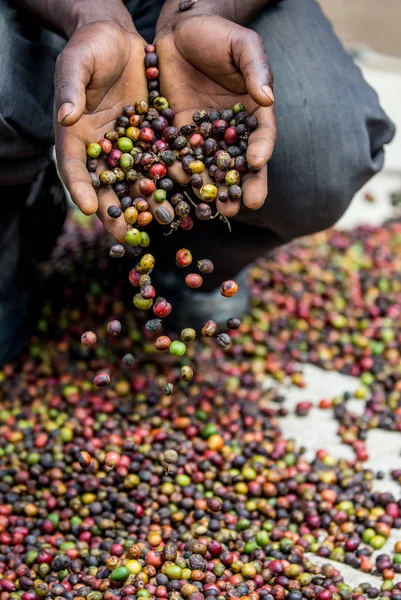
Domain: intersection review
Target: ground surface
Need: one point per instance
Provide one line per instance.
(319, 428)
(368, 22)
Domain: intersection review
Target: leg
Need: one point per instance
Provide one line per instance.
(331, 129)
(26, 137)
(28, 55)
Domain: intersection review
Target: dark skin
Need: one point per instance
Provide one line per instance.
(231, 68)
(101, 69)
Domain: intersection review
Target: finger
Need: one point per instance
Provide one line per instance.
(72, 75)
(206, 179)
(116, 227)
(71, 160)
(162, 212)
(230, 208)
(177, 173)
(250, 57)
(255, 189)
(262, 140)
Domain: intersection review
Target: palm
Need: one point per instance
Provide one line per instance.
(117, 79)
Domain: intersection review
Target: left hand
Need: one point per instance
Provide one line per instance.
(209, 62)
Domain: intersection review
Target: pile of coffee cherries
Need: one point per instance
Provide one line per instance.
(127, 492)
(145, 143)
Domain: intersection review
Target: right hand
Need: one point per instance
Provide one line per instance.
(100, 70)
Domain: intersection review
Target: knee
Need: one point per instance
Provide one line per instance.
(315, 176)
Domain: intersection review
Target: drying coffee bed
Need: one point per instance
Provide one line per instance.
(128, 492)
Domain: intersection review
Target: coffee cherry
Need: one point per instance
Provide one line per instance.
(126, 202)
(193, 280)
(95, 181)
(183, 258)
(182, 209)
(148, 292)
(162, 308)
(94, 150)
(223, 197)
(223, 160)
(128, 360)
(186, 373)
(232, 177)
(84, 459)
(223, 340)
(203, 212)
(157, 171)
(168, 389)
(196, 166)
(133, 237)
(196, 181)
(196, 140)
(117, 251)
(101, 380)
(105, 145)
(186, 223)
(209, 328)
(188, 334)
(114, 211)
(219, 127)
(200, 116)
(208, 192)
(230, 136)
(228, 288)
(162, 344)
(144, 218)
(113, 159)
(107, 178)
(131, 215)
(146, 187)
(233, 323)
(112, 459)
(142, 303)
(205, 266)
(114, 327)
(251, 122)
(88, 338)
(177, 348)
(165, 184)
(234, 192)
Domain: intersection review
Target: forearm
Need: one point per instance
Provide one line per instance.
(238, 11)
(66, 16)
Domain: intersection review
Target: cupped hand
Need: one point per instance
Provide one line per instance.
(100, 70)
(209, 62)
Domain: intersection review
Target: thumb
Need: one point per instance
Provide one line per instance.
(250, 58)
(71, 77)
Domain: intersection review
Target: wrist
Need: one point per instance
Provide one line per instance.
(67, 16)
(238, 11)
(83, 14)
(171, 17)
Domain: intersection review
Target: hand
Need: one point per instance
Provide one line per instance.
(100, 70)
(210, 62)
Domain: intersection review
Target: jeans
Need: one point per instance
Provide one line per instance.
(331, 129)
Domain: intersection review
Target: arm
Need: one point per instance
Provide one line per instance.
(67, 16)
(237, 11)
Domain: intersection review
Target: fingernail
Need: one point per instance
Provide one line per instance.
(64, 110)
(258, 160)
(163, 214)
(269, 93)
